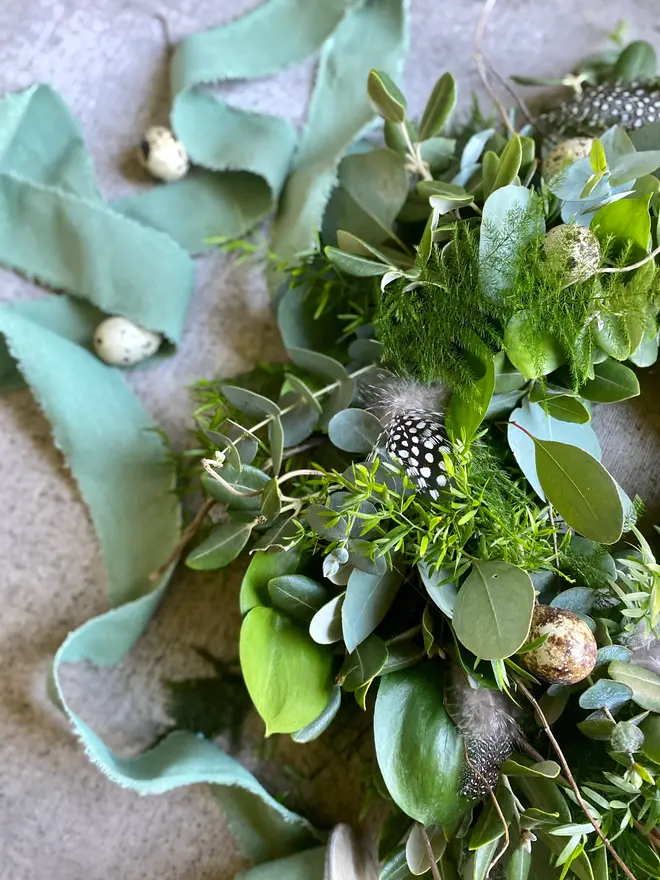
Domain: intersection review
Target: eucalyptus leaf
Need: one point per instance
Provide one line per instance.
(366, 351)
(297, 595)
(410, 720)
(354, 265)
(300, 422)
(271, 500)
(439, 107)
(318, 363)
(608, 653)
(262, 569)
(358, 556)
(580, 489)
(644, 684)
(250, 402)
(612, 382)
(598, 726)
(475, 147)
(493, 610)
(223, 545)
(281, 536)
(363, 664)
(326, 523)
(438, 152)
(402, 653)
(334, 560)
(605, 694)
(577, 599)
(325, 626)
(368, 599)
(386, 96)
(276, 438)
(319, 725)
(249, 480)
(288, 676)
(440, 585)
(340, 399)
(354, 430)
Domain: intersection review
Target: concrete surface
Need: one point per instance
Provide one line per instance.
(59, 817)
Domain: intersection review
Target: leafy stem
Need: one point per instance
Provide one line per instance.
(417, 164)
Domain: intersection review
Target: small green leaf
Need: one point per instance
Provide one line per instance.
(305, 392)
(465, 414)
(326, 523)
(354, 430)
(613, 382)
(320, 364)
(439, 107)
(566, 408)
(580, 489)
(636, 62)
(368, 599)
(490, 165)
(319, 725)
(416, 851)
(386, 96)
(440, 584)
(598, 726)
(410, 720)
(627, 220)
(402, 654)
(297, 595)
(546, 769)
(489, 825)
(223, 545)
(493, 610)
(520, 863)
(271, 500)
(354, 265)
(325, 626)
(627, 737)
(605, 694)
(288, 676)
(249, 401)
(363, 664)
(510, 162)
(644, 684)
(281, 537)
(276, 437)
(532, 351)
(597, 157)
(262, 568)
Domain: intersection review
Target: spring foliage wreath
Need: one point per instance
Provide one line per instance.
(419, 491)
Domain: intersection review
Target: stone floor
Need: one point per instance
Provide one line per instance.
(59, 817)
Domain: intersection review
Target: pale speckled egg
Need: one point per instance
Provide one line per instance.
(569, 653)
(564, 154)
(574, 250)
(163, 155)
(121, 343)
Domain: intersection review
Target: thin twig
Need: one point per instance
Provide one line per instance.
(571, 781)
(210, 465)
(614, 269)
(304, 472)
(488, 7)
(185, 538)
(295, 450)
(650, 835)
(520, 101)
(418, 164)
(435, 871)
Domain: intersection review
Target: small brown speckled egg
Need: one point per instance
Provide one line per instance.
(121, 343)
(564, 154)
(163, 155)
(573, 250)
(568, 654)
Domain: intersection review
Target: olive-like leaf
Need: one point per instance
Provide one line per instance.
(439, 107)
(410, 720)
(223, 545)
(546, 769)
(493, 610)
(520, 863)
(580, 489)
(281, 537)
(276, 437)
(271, 500)
(636, 62)
(297, 595)
(416, 848)
(441, 586)
(288, 676)
(510, 162)
(612, 382)
(354, 430)
(368, 599)
(386, 96)
(644, 684)
(465, 414)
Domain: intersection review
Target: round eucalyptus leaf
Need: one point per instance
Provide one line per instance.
(644, 684)
(354, 430)
(410, 720)
(575, 599)
(613, 652)
(580, 489)
(493, 610)
(627, 737)
(440, 585)
(325, 626)
(288, 676)
(223, 545)
(333, 561)
(606, 694)
(249, 401)
(359, 557)
(320, 725)
(597, 726)
(300, 422)
(297, 595)
(339, 400)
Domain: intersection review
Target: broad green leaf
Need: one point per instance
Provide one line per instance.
(566, 408)
(363, 664)
(626, 221)
(354, 265)
(248, 480)
(493, 610)
(544, 794)
(612, 382)
(546, 769)
(489, 167)
(438, 152)
(223, 545)
(395, 867)
(627, 737)
(319, 725)
(358, 556)
(478, 865)
(598, 726)
(465, 414)
(610, 335)
(439, 107)
(605, 694)
(386, 96)
(304, 391)
(410, 721)
(318, 363)
(580, 489)
(636, 62)
(394, 136)
(354, 430)
(288, 676)
(365, 351)
(368, 599)
(249, 401)
(533, 352)
(645, 685)
(300, 422)
(341, 398)
(441, 587)
(262, 568)
(510, 162)
(325, 626)
(577, 599)
(280, 537)
(634, 166)
(297, 595)
(519, 864)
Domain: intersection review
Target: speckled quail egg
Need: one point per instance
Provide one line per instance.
(568, 654)
(574, 251)
(564, 154)
(121, 343)
(163, 155)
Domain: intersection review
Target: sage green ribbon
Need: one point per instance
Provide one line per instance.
(132, 258)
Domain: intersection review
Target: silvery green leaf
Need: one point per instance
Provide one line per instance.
(334, 560)
(633, 166)
(249, 401)
(440, 585)
(575, 599)
(325, 626)
(354, 430)
(315, 728)
(475, 147)
(386, 97)
(318, 363)
(605, 693)
(326, 523)
(365, 351)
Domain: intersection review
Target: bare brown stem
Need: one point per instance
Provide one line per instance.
(488, 7)
(571, 781)
(435, 871)
(185, 539)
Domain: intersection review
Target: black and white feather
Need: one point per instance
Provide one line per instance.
(597, 108)
(487, 723)
(413, 428)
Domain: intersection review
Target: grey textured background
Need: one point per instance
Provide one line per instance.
(59, 817)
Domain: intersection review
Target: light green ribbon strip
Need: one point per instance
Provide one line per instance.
(131, 258)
